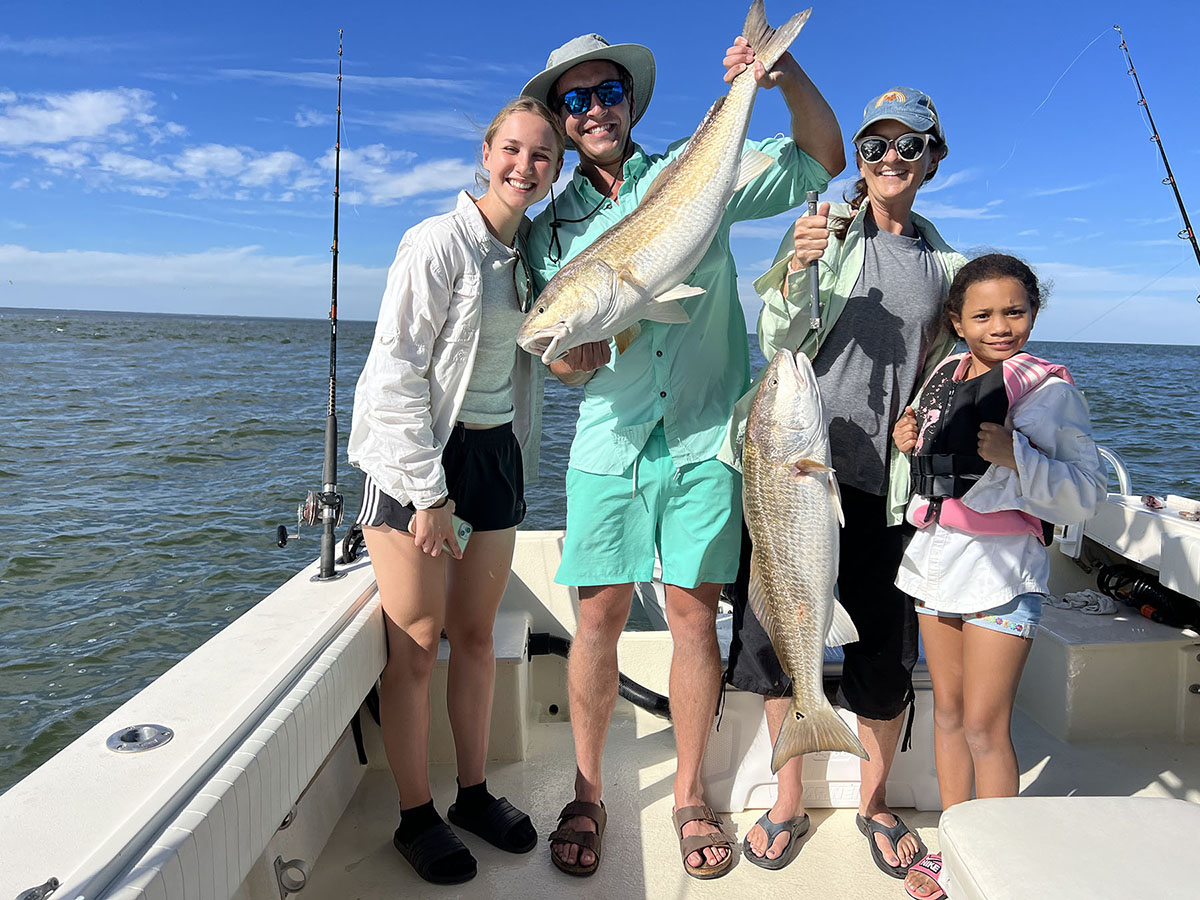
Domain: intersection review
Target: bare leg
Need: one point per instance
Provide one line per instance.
(412, 589)
(695, 687)
(475, 587)
(879, 738)
(943, 639)
(992, 666)
(592, 692)
(789, 802)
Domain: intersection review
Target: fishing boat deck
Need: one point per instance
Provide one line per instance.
(641, 856)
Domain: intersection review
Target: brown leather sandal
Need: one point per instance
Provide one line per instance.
(702, 842)
(585, 840)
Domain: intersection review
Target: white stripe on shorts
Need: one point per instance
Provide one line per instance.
(370, 500)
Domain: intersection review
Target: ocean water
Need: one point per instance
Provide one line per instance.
(147, 459)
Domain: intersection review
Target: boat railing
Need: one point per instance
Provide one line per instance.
(1118, 467)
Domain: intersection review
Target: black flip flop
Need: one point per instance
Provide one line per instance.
(438, 855)
(893, 833)
(796, 827)
(495, 823)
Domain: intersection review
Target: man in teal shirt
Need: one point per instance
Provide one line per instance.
(643, 471)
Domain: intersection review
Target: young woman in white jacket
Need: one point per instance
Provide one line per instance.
(447, 421)
(1001, 447)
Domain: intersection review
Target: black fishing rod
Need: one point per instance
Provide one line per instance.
(327, 506)
(1187, 233)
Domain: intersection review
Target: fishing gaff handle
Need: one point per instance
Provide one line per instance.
(814, 278)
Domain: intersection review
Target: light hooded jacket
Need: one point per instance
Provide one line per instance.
(785, 318)
(411, 388)
(1059, 478)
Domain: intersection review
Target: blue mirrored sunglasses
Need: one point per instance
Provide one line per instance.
(577, 101)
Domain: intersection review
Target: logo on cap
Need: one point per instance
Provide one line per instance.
(890, 97)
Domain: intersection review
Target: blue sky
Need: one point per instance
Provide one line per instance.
(178, 158)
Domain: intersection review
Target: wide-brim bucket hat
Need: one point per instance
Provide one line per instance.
(636, 59)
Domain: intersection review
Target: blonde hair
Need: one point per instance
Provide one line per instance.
(523, 105)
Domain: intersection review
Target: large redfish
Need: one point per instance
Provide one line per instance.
(636, 269)
(793, 509)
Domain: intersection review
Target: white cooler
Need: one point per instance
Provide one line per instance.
(737, 765)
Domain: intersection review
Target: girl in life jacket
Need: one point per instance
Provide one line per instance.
(1000, 444)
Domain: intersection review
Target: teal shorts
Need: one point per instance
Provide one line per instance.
(691, 514)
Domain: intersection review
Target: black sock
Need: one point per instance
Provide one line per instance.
(473, 798)
(416, 820)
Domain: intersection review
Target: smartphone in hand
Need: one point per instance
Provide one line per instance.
(462, 532)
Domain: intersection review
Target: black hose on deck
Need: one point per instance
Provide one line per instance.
(545, 644)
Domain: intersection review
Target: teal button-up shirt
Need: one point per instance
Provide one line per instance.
(687, 376)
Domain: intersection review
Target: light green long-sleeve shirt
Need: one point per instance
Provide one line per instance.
(786, 315)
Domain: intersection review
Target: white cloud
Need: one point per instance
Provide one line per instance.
(217, 281)
(310, 118)
(368, 171)
(56, 118)
(1027, 232)
(444, 123)
(20, 183)
(59, 46)
(203, 162)
(272, 167)
(954, 178)
(7, 97)
(937, 210)
(143, 190)
(328, 80)
(1050, 192)
(128, 166)
(58, 158)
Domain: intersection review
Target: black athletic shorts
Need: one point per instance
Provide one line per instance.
(484, 478)
(876, 678)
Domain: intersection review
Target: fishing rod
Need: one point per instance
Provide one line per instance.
(814, 277)
(327, 506)
(1187, 233)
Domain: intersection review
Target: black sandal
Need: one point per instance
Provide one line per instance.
(438, 855)
(893, 833)
(496, 824)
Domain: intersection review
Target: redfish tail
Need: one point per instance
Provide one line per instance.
(821, 729)
(771, 43)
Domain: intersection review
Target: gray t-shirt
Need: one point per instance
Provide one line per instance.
(488, 400)
(870, 361)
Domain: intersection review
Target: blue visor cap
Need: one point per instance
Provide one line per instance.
(907, 105)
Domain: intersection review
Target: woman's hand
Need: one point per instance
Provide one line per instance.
(905, 432)
(810, 238)
(433, 530)
(996, 446)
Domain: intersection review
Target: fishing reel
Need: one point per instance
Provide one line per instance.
(312, 512)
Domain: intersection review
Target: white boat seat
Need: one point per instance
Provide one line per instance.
(1069, 848)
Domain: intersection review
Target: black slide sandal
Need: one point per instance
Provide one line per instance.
(495, 824)
(438, 855)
